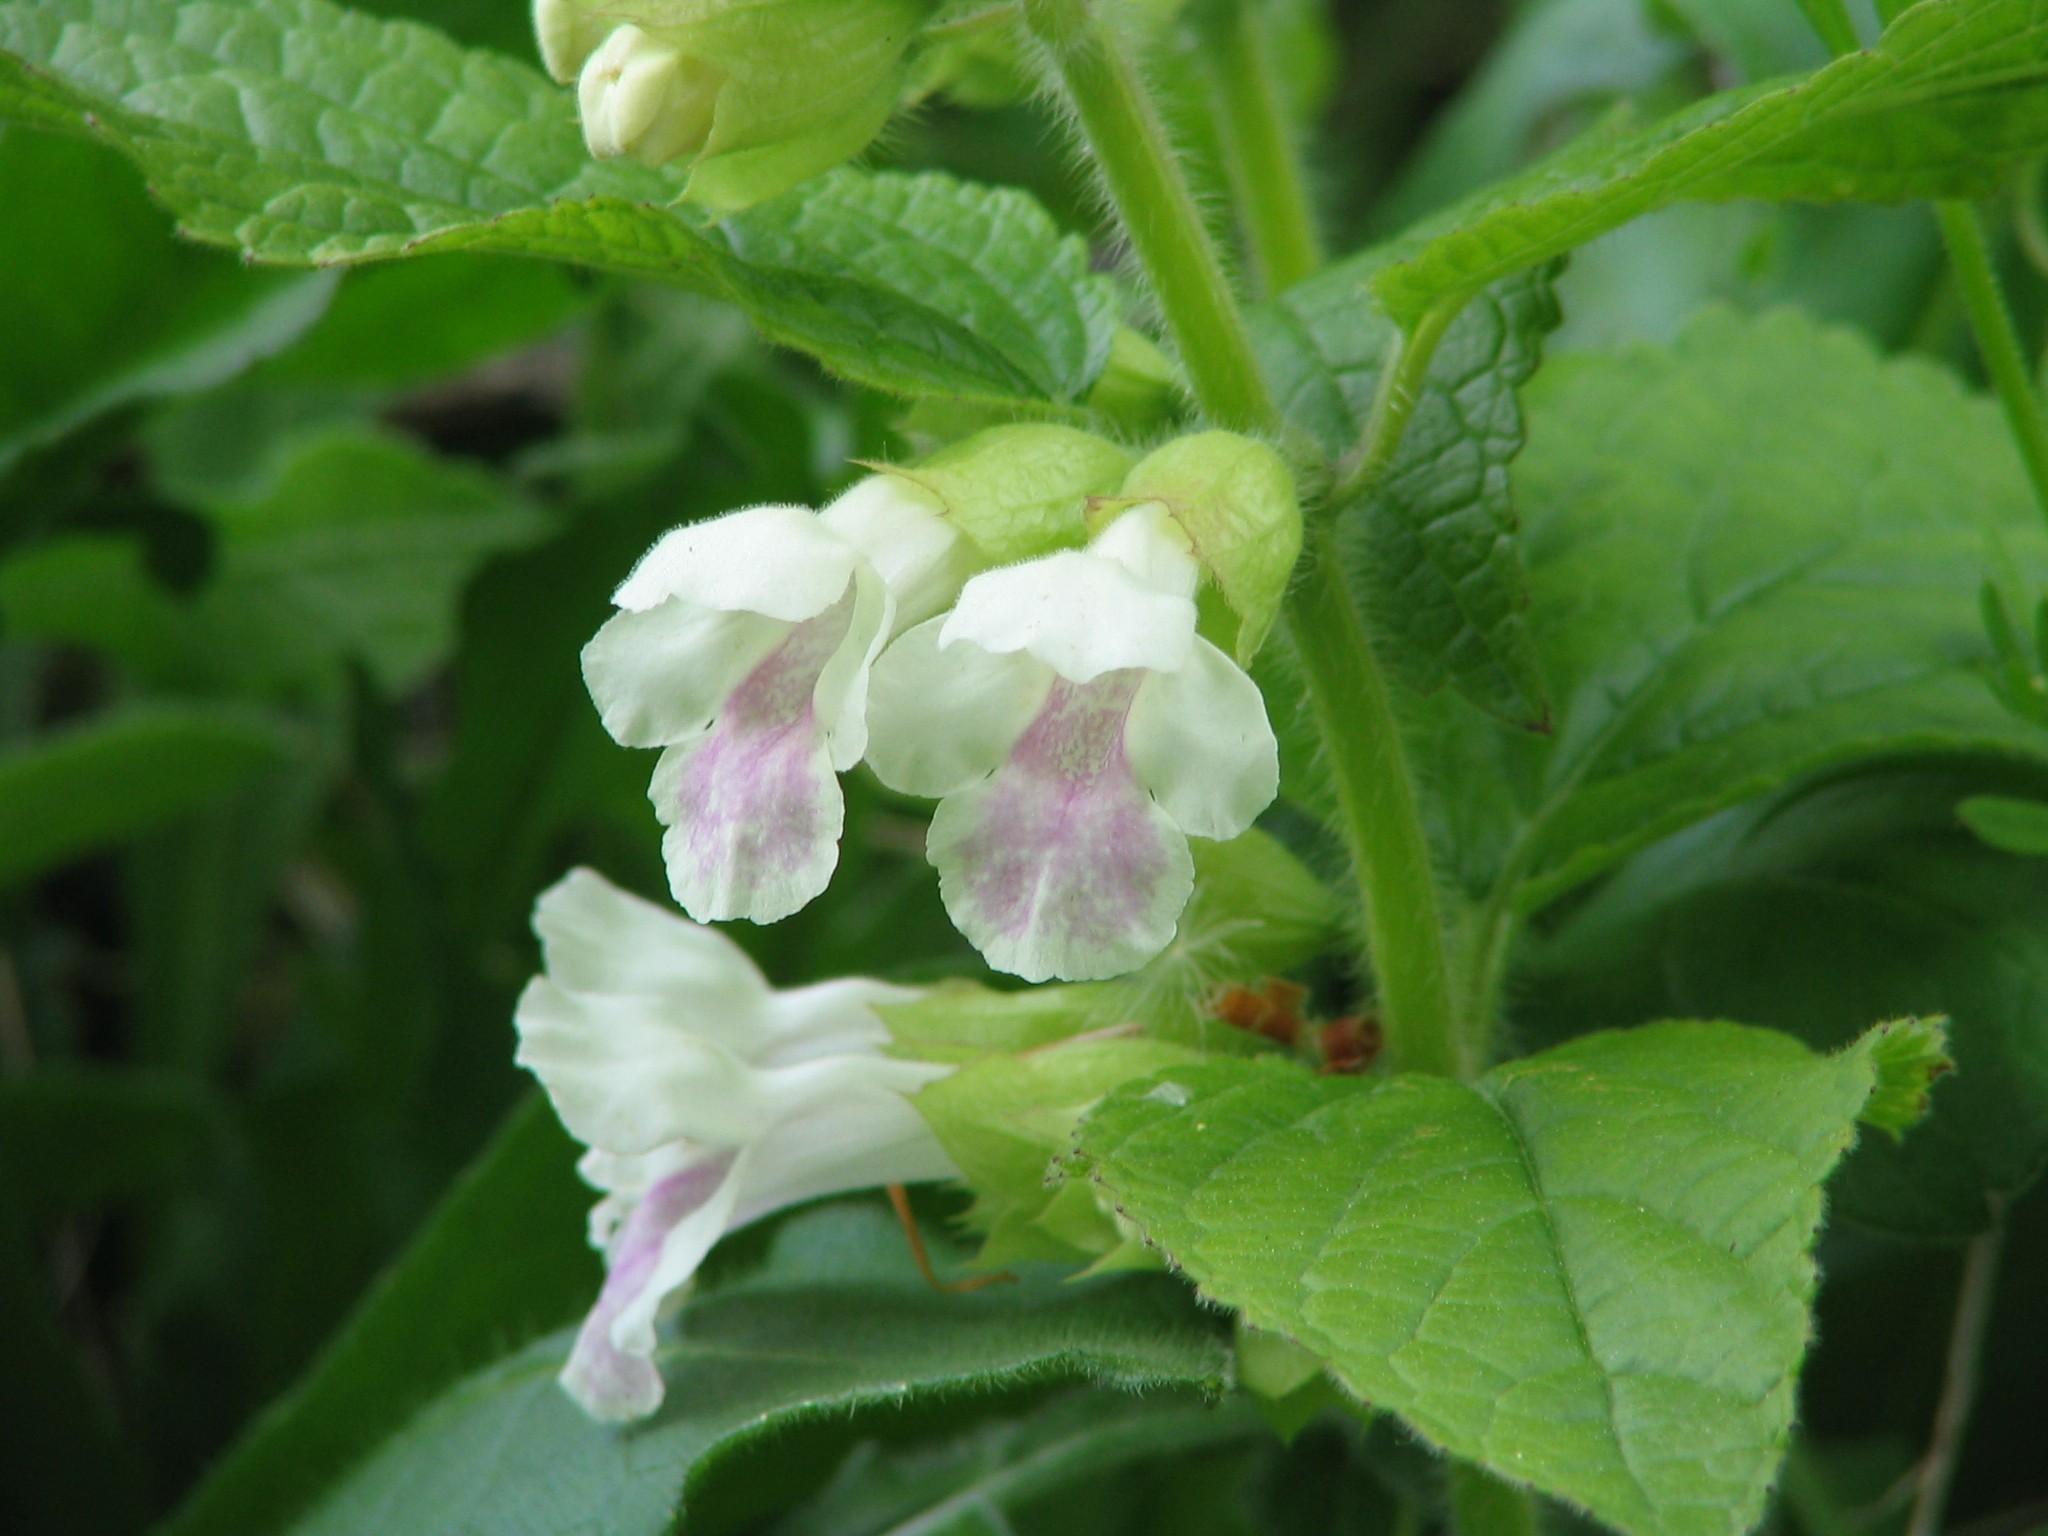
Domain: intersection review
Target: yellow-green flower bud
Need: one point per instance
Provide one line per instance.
(569, 32)
(641, 97)
(760, 94)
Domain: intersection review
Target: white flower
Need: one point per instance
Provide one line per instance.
(707, 1100)
(1076, 731)
(744, 650)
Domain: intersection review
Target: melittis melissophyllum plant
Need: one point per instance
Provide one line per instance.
(1257, 733)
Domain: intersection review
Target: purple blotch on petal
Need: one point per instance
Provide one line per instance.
(756, 807)
(1063, 865)
(607, 1381)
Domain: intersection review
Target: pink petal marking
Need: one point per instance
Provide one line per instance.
(1059, 863)
(755, 807)
(607, 1381)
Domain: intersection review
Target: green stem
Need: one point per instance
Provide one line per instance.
(1483, 1505)
(1830, 20)
(1400, 388)
(1959, 1388)
(1997, 341)
(1382, 821)
(1159, 213)
(1265, 170)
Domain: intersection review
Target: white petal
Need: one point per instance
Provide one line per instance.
(630, 1074)
(840, 698)
(865, 1142)
(1148, 543)
(901, 528)
(940, 719)
(1200, 743)
(775, 560)
(627, 1075)
(659, 676)
(753, 807)
(833, 1016)
(656, 1250)
(1060, 864)
(1079, 613)
(598, 939)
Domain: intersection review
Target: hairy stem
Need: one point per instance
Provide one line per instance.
(1382, 821)
(1265, 169)
(1959, 1388)
(1997, 341)
(1166, 231)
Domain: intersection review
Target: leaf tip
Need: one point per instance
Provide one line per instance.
(1906, 1056)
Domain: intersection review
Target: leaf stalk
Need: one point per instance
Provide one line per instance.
(1998, 341)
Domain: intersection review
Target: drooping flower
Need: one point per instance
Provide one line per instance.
(1076, 731)
(743, 649)
(707, 1099)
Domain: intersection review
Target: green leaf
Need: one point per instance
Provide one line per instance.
(837, 1318)
(451, 1304)
(979, 1481)
(1817, 913)
(78, 790)
(74, 1138)
(302, 133)
(1755, 555)
(1953, 95)
(2014, 826)
(364, 544)
(102, 307)
(1433, 552)
(1589, 1271)
(357, 544)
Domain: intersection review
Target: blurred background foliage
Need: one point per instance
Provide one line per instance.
(294, 569)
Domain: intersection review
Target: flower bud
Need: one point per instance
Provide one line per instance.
(763, 94)
(641, 97)
(569, 32)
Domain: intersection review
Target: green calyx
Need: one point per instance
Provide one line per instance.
(1023, 490)
(1235, 499)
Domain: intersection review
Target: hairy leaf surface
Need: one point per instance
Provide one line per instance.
(1858, 900)
(1589, 1271)
(299, 132)
(835, 1319)
(1755, 555)
(1433, 552)
(1952, 96)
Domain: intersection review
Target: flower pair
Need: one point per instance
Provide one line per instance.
(1073, 725)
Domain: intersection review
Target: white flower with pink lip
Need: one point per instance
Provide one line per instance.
(744, 650)
(1076, 732)
(707, 1099)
